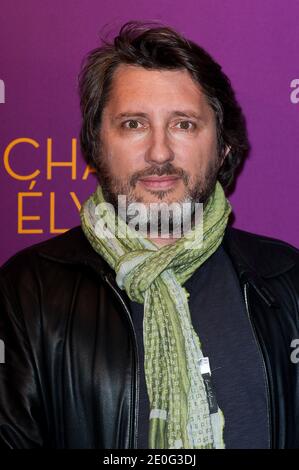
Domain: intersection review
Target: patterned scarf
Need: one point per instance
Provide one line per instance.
(181, 415)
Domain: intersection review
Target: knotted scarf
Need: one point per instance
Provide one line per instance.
(180, 413)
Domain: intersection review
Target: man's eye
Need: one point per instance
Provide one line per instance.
(186, 125)
(131, 124)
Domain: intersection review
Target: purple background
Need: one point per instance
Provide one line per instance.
(42, 45)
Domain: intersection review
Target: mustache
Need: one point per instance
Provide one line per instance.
(164, 170)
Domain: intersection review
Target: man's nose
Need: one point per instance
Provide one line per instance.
(159, 148)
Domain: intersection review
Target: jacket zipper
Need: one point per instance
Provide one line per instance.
(246, 285)
(135, 409)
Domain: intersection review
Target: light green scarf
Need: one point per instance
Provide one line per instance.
(179, 409)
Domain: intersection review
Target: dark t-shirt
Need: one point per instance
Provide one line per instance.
(220, 319)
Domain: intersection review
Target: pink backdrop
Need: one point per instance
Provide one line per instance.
(42, 45)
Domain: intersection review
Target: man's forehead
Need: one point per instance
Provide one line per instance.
(135, 86)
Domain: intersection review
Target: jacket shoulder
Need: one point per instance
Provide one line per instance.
(268, 255)
(66, 246)
(254, 238)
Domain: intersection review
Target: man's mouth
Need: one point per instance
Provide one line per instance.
(159, 182)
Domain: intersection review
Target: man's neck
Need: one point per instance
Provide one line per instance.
(163, 241)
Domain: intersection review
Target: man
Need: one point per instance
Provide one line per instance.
(121, 341)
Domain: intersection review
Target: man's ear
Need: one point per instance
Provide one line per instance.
(227, 150)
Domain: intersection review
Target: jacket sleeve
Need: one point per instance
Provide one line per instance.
(20, 404)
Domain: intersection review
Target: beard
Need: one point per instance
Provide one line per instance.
(196, 191)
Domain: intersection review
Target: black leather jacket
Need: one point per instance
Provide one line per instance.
(71, 372)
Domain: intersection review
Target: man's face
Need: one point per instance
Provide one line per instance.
(157, 139)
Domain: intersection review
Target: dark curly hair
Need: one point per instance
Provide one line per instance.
(160, 47)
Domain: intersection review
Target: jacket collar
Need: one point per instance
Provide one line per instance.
(251, 253)
(253, 256)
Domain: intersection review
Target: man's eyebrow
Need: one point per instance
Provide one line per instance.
(185, 113)
(130, 114)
